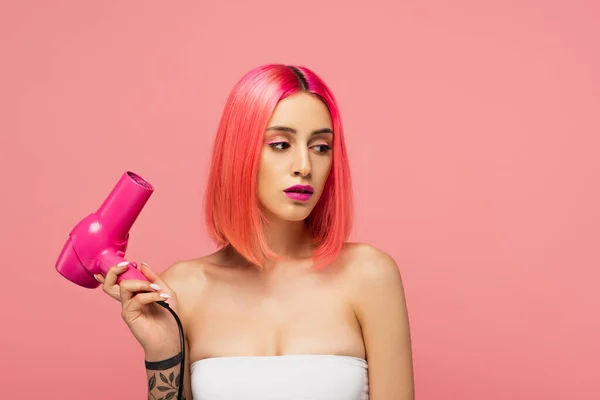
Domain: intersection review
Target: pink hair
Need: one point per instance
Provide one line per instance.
(232, 209)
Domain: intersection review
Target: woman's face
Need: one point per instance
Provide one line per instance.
(296, 150)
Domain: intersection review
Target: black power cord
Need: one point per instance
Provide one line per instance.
(182, 344)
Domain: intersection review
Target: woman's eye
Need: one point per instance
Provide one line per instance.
(279, 145)
(323, 148)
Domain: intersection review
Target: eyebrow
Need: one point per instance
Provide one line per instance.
(291, 130)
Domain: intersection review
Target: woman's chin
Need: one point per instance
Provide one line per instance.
(294, 214)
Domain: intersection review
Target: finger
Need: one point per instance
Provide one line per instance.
(155, 277)
(135, 285)
(113, 272)
(128, 288)
(124, 294)
(110, 286)
(112, 291)
(142, 299)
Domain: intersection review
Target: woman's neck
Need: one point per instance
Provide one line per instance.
(288, 239)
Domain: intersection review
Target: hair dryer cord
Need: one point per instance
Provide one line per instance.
(182, 344)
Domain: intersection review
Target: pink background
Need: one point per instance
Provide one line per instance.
(474, 134)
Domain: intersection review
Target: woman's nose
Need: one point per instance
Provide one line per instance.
(302, 165)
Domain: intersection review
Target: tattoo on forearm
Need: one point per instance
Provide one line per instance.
(167, 387)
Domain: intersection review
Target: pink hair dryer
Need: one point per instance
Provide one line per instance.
(99, 241)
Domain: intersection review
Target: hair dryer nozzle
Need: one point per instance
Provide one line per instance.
(121, 208)
(99, 241)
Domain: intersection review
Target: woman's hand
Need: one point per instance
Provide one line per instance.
(152, 325)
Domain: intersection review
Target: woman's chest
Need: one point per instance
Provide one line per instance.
(303, 317)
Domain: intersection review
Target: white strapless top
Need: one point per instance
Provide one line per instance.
(287, 377)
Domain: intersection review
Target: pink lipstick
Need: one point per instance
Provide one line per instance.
(299, 192)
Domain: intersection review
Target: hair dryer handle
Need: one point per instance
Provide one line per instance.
(110, 259)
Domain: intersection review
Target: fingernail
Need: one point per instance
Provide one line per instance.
(155, 286)
(122, 264)
(165, 295)
(96, 278)
(144, 264)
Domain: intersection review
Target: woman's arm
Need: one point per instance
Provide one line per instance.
(177, 277)
(381, 309)
(163, 376)
(162, 366)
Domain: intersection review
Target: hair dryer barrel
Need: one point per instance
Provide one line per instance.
(125, 202)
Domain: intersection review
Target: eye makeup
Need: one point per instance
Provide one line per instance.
(324, 146)
(278, 144)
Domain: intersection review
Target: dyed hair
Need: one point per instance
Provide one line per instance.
(232, 211)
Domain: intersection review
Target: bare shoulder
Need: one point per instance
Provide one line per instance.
(189, 276)
(369, 265)
(375, 279)
(179, 274)
(378, 300)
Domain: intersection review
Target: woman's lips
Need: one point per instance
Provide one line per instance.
(299, 192)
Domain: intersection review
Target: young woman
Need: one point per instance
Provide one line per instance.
(285, 308)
